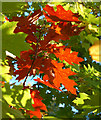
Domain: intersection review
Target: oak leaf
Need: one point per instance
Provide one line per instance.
(60, 15)
(38, 105)
(68, 56)
(46, 83)
(66, 30)
(26, 24)
(36, 113)
(61, 77)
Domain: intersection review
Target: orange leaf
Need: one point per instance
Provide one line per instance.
(46, 83)
(36, 113)
(65, 54)
(38, 105)
(61, 77)
(60, 15)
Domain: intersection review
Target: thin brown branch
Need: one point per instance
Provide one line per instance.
(32, 61)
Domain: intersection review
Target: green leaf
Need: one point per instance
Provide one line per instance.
(93, 28)
(52, 56)
(85, 45)
(83, 96)
(51, 118)
(4, 70)
(92, 19)
(91, 38)
(36, 5)
(99, 31)
(89, 106)
(9, 99)
(92, 71)
(65, 112)
(66, 7)
(81, 10)
(9, 7)
(12, 8)
(2, 19)
(24, 98)
(75, 67)
(17, 97)
(78, 101)
(7, 112)
(11, 42)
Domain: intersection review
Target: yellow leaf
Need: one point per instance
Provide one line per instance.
(95, 51)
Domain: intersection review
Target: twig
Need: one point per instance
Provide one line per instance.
(38, 86)
(32, 61)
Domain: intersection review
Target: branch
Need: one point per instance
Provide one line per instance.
(32, 61)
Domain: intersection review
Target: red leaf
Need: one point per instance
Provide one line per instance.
(6, 18)
(38, 105)
(56, 75)
(60, 15)
(37, 100)
(26, 24)
(31, 38)
(65, 30)
(35, 94)
(22, 72)
(61, 31)
(36, 113)
(24, 63)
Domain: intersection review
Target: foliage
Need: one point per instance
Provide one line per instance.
(53, 45)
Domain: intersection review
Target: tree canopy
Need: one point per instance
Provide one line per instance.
(50, 64)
